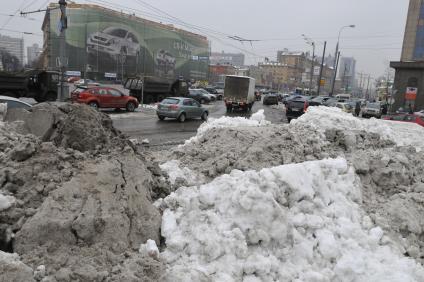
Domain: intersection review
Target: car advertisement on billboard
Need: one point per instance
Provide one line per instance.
(100, 41)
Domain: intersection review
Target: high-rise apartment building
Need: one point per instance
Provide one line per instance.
(347, 70)
(33, 53)
(14, 46)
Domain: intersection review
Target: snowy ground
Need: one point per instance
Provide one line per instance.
(307, 221)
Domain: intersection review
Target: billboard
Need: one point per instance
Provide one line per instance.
(100, 40)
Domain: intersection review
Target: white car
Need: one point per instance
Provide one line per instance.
(113, 41)
(420, 113)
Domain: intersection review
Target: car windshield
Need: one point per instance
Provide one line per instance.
(373, 106)
(170, 101)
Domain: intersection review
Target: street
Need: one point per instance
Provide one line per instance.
(144, 124)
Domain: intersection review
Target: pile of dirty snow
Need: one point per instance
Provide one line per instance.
(300, 222)
(323, 118)
(257, 119)
(75, 198)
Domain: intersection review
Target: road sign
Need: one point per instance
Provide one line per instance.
(73, 73)
(317, 70)
(110, 75)
(322, 82)
(391, 100)
(411, 93)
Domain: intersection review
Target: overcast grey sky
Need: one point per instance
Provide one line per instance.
(375, 41)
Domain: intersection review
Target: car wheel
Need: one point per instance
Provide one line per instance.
(202, 101)
(182, 117)
(130, 106)
(94, 105)
(161, 117)
(204, 116)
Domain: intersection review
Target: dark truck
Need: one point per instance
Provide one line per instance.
(155, 89)
(239, 93)
(38, 84)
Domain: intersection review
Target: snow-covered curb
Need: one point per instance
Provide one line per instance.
(299, 222)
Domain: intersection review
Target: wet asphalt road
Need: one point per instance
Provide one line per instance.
(144, 124)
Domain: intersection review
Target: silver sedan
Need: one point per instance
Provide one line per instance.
(181, 109)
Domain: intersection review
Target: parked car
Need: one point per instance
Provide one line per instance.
(345, 107)
(420, 113)
(113, 41)
(14, 103)
(213, 91)
(86, 82)
(293, 97)
(181, 109)
(331, 102)
(406, 118)
(318, 101)
(200, 95)
(371, 110)
(296, 107)
(104, 97)
(270, 99)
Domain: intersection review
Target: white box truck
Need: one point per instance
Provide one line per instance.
(239, 93)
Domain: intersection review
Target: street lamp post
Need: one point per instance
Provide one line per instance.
(336, 54)
(312, 43)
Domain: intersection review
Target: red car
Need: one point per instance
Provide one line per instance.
(406, 118)
(104, 97)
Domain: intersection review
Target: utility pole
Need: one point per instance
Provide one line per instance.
(335, 74)
(312, 68)
(63, 25)
(322, 66)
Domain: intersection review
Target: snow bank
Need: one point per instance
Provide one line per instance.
(174, 171)
(402, 133)
(299, 222)
(257, 119)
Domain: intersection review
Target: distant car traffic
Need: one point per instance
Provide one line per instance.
(86, 82)
(104, 97)
(14, 103)
(270, 99)
(371, 110)
(345, 107)
(406, 118)
(181, 109)
(200, 95)
(296, 107)
(318, 101)
(214, 91)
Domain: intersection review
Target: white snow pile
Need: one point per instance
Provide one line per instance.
(175, 172)
(6, 202)
(299, 222)
(322, 118)
(257, 119)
